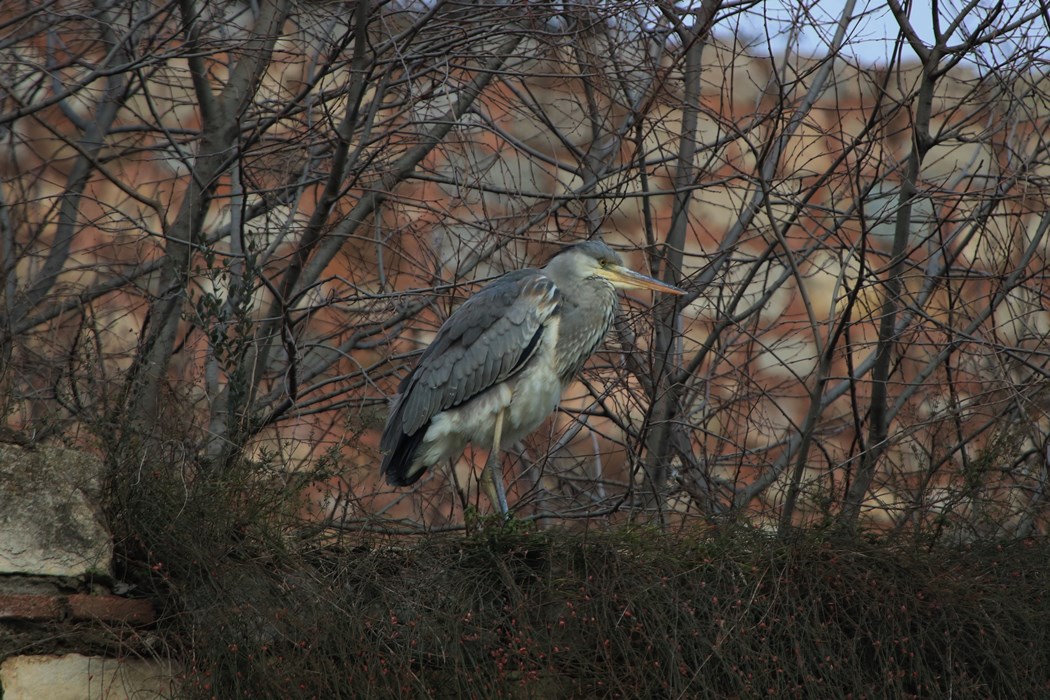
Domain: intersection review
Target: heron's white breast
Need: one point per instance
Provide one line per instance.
(537, 390)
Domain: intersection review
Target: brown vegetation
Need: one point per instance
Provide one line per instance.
(226, 231)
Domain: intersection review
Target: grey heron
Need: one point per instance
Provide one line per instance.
(498, 366)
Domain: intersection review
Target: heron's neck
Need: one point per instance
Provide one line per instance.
(586, 313)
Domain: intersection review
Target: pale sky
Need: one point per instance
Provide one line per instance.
(873, 31)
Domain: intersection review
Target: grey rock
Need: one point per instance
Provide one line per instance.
(50, 523)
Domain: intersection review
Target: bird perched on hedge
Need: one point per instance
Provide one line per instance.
(498, 366)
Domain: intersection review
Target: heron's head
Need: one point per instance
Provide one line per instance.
(594, 258)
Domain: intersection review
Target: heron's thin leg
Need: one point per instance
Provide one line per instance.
(492, 478)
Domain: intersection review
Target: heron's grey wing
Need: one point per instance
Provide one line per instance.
(484, 342)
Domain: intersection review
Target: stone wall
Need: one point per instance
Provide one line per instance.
(63, 625)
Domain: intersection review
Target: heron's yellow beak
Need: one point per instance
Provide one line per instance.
(623, 278)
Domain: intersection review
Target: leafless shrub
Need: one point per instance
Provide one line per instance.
(234, 226)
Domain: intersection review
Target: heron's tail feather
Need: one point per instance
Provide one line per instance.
(397, 465)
